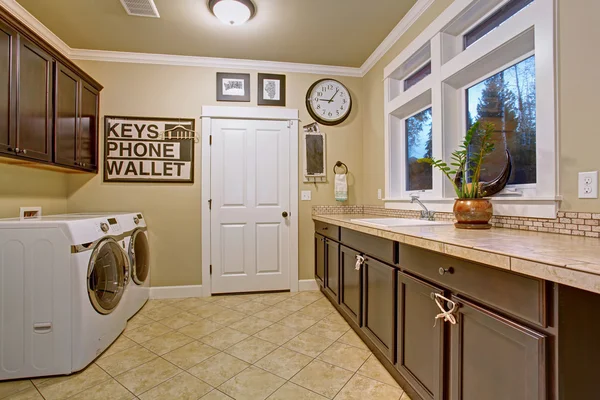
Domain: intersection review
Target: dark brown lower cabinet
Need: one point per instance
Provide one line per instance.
(494, 358)
(350, 285)
(320, 259)
(332, 273)
(379, 316)
(420, 348)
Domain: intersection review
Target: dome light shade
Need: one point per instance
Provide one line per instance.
(232, 12)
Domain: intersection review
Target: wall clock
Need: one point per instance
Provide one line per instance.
(328, 102)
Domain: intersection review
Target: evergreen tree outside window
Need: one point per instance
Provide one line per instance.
(419, 176)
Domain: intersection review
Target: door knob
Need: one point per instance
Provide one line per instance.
(284, 214)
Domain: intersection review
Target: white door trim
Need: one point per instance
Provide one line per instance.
(219, 112)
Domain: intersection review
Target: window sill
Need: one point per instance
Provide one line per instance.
(505, 206)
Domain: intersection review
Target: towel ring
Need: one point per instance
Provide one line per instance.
(340, 164)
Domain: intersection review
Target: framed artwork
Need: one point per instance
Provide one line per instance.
(233, 87)
(271, 90)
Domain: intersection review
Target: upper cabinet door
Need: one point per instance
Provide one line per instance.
(8, 70)
(66, 103)
(88, 127)
(34, 103)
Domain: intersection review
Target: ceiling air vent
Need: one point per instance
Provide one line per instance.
(141, 8)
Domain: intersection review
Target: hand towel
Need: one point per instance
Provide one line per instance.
(341, 187)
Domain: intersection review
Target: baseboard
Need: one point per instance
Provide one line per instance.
(307, 284)
(175, 292)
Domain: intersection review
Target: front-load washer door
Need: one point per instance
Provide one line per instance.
(108, 273)
(139, 254)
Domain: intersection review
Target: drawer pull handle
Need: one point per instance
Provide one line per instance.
(444, 271)
(326, 229)
(447, 316)
(360, 260)
(42, 328)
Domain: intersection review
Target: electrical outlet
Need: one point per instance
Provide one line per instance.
(306, 195)
(379, 194)
(588, 185)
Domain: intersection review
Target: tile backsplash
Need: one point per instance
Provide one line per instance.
(566, 223)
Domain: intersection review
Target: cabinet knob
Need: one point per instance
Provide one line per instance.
(24, 151)
(444, 271)
(17, 150)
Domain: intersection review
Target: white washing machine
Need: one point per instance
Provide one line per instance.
(62, 282)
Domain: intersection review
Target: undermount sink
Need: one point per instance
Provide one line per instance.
(392, 222)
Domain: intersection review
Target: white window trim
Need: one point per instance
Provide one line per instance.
(532, 27)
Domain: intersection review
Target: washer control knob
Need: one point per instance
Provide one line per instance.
(136, 220)
(104, 227)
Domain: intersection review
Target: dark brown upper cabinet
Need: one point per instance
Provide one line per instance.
(76, 107)
(8, 92)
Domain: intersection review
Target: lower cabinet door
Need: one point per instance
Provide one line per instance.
(379, 316)
(494, 358)
(420, 348)
(350, 284)
(332, 270)
(320, 259)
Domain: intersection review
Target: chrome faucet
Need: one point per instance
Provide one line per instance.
(425, 213)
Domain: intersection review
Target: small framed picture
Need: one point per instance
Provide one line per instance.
(233, 87)
(271, 90)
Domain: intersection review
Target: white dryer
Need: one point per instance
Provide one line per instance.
(62, 282)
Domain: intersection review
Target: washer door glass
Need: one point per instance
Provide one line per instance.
(139, 252)
(107, 276)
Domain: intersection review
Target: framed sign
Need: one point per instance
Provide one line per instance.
(233, 87)
(271, 90)
(136, 149)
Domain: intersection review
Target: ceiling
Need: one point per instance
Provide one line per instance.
(326, 32)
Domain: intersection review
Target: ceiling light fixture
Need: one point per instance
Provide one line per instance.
(232, 12)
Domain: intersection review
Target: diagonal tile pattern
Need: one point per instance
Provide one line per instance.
(254, 346)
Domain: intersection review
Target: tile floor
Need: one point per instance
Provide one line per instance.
(279, 346)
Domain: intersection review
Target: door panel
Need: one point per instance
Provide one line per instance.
(350, 284)
(494, 358)
(67, 111)
(320, 259)
(88, 128)
(8, 92)
(34, 104)
(420, 346)
(332, 270)
(250, 191)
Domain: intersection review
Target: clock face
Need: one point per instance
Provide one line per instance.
(328, 102)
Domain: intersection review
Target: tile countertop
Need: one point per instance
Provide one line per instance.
(569, 260)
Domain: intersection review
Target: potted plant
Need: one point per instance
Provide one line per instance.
(473, 208)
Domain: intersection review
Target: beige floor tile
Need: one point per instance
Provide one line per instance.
(278, 333)
(191, 354)
(201, 328)
(291, 391)
(218, 369)
(181, 387)
(405, 397)
(223, 338)
(147, 332)
(345, 356)
(362, 388)
(180, 320)
(125, 360)
(323, 378)
(291, 304)
(353, 339)
(284, 362)
(111, 389)
(308, 344)
(250, 325)
(311, 296)
(167, 342)
(207, 310)
(252, 384)
(373, 369)
(336, 318)
(299, 321)
(65, 387)
(27, 394)
(227, 317)
(273, 314)
(11, 387)
(251, 349)
(317, 312)
(147, 376)
(230, 301)
(328, 329)
(216, 395)
(272, 300)
(122, 343)
(162, 312)
(251, 307)
(192, 302)
(136, 322)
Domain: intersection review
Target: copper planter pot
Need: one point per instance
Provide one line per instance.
(473, 213)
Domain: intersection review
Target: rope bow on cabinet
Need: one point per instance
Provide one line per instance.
(447, 316)
(360, 260)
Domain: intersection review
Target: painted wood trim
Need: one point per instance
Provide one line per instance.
(175, 292)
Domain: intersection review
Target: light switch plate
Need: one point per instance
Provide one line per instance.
(306, 195)
(588, 185)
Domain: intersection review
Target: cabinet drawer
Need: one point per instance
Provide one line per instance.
(518, 295)
(382, 249)
(328, 230)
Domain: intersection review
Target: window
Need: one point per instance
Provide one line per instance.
(418, 76)
(507, 100)
(494, 21)
(418, 145)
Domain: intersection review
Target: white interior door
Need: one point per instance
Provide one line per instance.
(250, 192)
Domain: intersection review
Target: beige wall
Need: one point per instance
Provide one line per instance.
(173, 211)
(578, 101)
